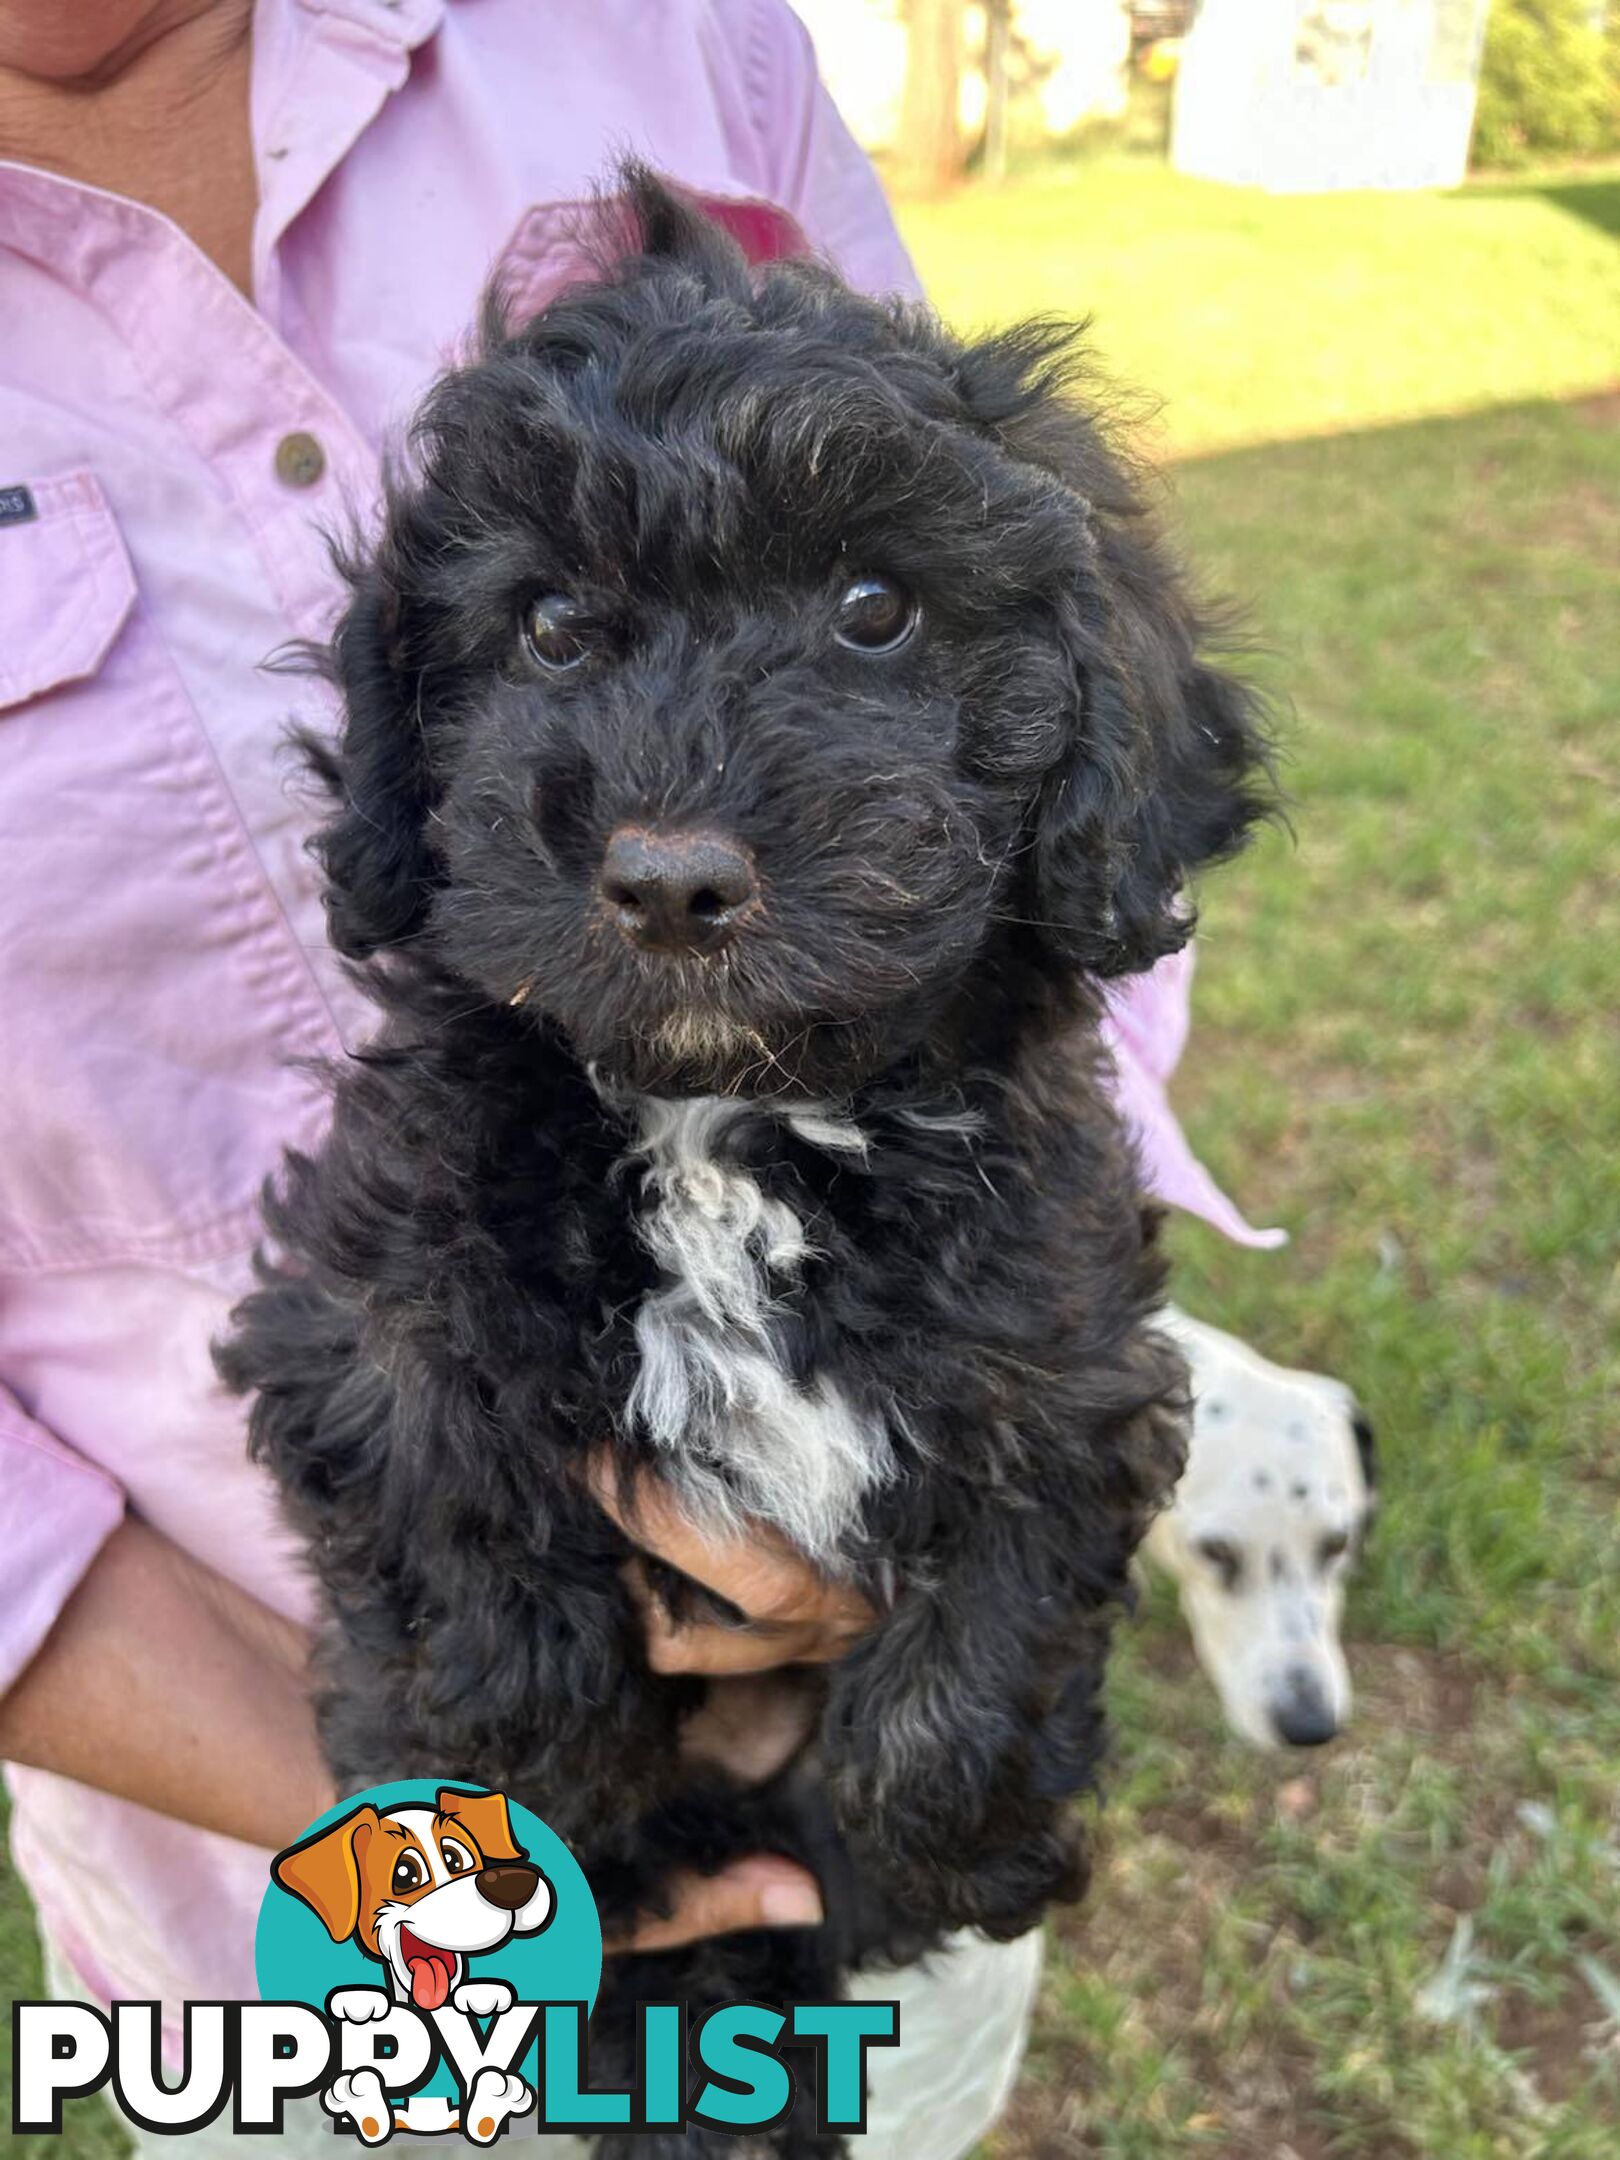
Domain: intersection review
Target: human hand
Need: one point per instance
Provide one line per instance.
(795, 1615)
(755, 1715)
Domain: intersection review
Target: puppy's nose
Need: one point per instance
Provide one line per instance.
(677, 892)
(1304, 1716)
(508, 1885)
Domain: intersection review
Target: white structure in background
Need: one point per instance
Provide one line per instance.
(1305, 95)
(1080, 49)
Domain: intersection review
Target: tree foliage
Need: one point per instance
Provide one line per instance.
(1550, 83)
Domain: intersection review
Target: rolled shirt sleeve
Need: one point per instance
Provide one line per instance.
(1145, 1028)
(56, 1511)
(813, 165)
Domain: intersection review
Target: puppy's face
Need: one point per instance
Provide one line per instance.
(1261, 1536)
(749, 663)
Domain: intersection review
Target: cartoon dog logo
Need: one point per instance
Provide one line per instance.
(421, 1890)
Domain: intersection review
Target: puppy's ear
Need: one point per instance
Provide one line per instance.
(379, 870)
(324, 1871)
(667, 226)
(1162, 779)
(487, 1818)
(1165, 764)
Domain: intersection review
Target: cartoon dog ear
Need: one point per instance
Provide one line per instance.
(486, 1816)
(380, 872)
(324, 1871)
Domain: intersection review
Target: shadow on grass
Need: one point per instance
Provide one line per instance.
(1595, 202)
(1598, 201)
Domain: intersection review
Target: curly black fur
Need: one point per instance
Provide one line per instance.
(954, 843)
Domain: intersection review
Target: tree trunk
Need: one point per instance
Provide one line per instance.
(930, 152)
(997, 86)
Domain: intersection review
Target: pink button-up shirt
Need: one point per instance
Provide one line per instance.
(163, 964)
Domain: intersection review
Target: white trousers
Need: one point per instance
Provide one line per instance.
(964, 2020)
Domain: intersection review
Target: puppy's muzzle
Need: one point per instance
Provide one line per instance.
(507, 1886)
(676, 892)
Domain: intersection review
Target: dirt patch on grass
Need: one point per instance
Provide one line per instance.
(1582, 519)
(1413, 1690)
(1557, 2043)
(1601, 409)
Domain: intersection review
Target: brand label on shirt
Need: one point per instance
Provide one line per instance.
(17, 505)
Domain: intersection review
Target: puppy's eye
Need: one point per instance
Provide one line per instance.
(557, 632)
(1225, 1559)
(457, 1859)
(875, 615)
(409, 1874)
(1333, 1547)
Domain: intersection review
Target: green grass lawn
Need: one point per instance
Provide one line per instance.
(1260, 317)
(1407, 1051)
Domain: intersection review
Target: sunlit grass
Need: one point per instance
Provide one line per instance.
(1257, 317)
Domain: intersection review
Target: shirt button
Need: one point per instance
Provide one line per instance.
(300, 460)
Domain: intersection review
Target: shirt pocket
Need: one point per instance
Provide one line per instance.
(158, 1018)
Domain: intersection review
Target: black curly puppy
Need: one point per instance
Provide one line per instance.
(768, 719)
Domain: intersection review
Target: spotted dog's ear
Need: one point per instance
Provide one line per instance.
(324, 1870)
(1366, 1448)
(487, 1818)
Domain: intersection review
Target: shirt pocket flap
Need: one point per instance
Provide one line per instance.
(66, 585)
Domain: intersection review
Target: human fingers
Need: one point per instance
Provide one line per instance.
(754, 1569)
(762, 1891)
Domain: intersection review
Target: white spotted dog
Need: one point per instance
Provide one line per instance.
(1262, 1531)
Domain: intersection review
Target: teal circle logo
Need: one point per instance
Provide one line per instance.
(421, 1889)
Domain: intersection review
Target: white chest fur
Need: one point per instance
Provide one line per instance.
(711, 1390)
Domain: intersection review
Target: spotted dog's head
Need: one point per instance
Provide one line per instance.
(1262, 1533)
(421, 1889)
(748, 666)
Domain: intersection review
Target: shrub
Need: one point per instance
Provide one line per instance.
(1549, 86)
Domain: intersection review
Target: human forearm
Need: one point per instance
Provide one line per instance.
(165, 1684)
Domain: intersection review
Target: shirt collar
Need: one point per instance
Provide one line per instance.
(322, 71)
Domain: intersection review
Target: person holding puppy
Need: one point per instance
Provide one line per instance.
(235, 244)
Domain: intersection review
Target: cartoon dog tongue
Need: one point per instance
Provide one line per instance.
(431, 1970)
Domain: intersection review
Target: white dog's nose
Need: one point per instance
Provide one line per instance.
(1303, 1715)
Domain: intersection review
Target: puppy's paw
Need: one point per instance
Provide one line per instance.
(360, 2096)
(483, 1998)
(358, 2005)
(496, 2096)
